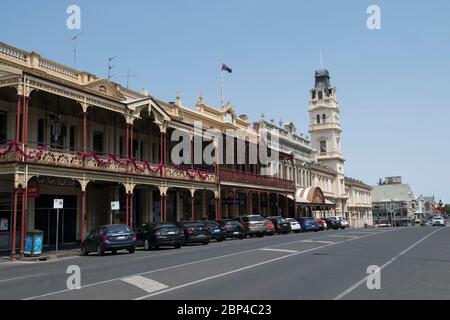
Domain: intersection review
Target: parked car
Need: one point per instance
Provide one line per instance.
(218, 233)
(321, 224)
(111, 237)
(332, 223)
(253, 225)
(295, 226)
(281, 225)
(270, 228)
(233, 228)
(344, 223)
(308, 224)
(195, 232)
(156, 234)
(425, 223)
(438, 220)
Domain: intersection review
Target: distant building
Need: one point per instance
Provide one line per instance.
(393, 202)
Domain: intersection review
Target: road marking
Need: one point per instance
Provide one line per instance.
(145, 284)
(24, 277)
(188, 263)
(318, 241)
(362, 232)
(341, 236)
(279, 250)
(243, 269)
(363, 280)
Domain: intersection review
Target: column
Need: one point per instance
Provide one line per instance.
(14, 228)
(259, 202)
(131, 210)
(83, 204)
(25, 121)
(127, 198)
(235, 207)
(287, 207)
(131, 142)
(23, 226)
(19, 102)
(193, 205)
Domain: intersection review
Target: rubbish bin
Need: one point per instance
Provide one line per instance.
(33, 243)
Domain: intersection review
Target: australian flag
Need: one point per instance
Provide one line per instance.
(226, 68)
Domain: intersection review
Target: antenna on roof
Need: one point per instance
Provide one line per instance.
(74, 39)
(128, 76)
(110, 67)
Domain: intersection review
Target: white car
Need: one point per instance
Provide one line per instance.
(295, 226)
(438, 221)
(344, 223)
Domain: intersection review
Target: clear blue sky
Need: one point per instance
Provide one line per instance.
(392, 83)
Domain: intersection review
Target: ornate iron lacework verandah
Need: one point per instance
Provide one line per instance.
(12, 151)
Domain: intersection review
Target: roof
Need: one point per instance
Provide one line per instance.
(391, 192)
(312, 195)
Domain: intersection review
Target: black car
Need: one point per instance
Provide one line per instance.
(332, 223)
(217, 231)
(156, 234)
(111, 237)
(282, 226)
(233, 228)
(195, 232)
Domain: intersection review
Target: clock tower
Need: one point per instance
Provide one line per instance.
(325, 131)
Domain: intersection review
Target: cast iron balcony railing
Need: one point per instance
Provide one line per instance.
(252, 178)
(13, 152)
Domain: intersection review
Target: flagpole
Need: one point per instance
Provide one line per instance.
(221, 86)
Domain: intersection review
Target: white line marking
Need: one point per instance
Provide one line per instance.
(24, 277)
(357, 232)
(279, 250)
(340, 236)
(188, 263)
(317, 241)
(363, 280)
(145, 284)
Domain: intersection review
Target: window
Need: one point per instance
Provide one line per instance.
(313, 94)
(320, 95)
(324, 118)
(323, 146)
(318, 118)
(41, 132)
(2, 127)
(72, 138)
(98, 142)
(135, 148)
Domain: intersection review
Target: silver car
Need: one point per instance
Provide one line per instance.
(253, 225)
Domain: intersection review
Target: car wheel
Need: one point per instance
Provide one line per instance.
(114, 251)
(297, 231)
(342, 228)
(219, 239)
(260, 235)
(100, 250)
(84, 251)
(147, 246)
(241, 237)
(131, 250)
(156, 247)
(177, 246)
(205, 243)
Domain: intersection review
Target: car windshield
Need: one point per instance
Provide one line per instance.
(118, 228)
(255, 218)
(166, 226)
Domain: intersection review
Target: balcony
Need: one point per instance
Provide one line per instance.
(325, 126)
(92, 161)
(256, 179)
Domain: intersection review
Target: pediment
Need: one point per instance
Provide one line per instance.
(105, 87)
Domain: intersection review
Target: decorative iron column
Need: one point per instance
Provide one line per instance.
(14, 228)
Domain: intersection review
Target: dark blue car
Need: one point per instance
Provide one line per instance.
(308, 224)
(218, 232)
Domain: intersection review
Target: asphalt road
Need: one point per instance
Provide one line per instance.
(414, 262)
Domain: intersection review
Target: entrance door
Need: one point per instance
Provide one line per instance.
(46, 217)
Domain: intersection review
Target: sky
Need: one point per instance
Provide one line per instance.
(391, 83)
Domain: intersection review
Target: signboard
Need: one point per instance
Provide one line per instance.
(115, 205)
(4, 224)
(58, 204)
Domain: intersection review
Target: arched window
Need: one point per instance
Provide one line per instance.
(324, 118)
(318, 118)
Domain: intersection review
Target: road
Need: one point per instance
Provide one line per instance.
(414, 262)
